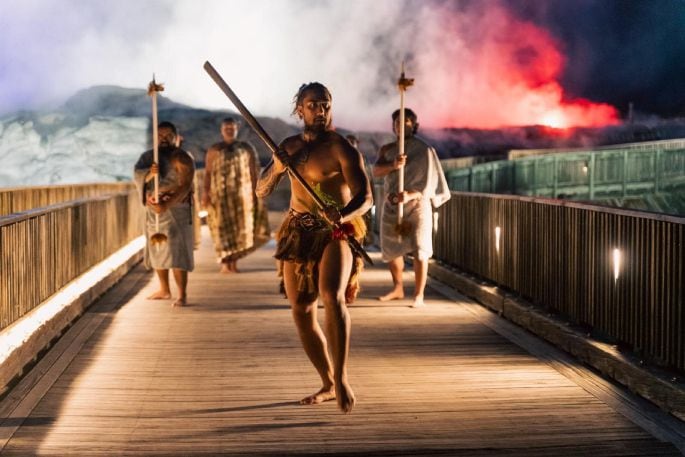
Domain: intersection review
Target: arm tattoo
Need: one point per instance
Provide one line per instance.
(268, 180)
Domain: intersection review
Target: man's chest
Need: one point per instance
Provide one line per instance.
(317, 165)
(318, 173)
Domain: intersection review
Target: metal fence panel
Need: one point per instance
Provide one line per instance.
(562, 256)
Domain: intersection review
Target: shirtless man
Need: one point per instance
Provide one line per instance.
(314, 259)
(176, 171)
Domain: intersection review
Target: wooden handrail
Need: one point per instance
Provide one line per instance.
(18, 199)
(28, 214)
(43, 249)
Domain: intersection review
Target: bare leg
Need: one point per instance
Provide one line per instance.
(164, 293)
(334, 272)
(396, 266)
(312, 337)
(233, 265)
(420, 278)
(181, 278)
(225, 269)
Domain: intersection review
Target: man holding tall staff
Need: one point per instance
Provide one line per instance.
(164, 179)
(413, 185)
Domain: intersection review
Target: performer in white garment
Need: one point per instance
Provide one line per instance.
(173, 209)
(425, 188)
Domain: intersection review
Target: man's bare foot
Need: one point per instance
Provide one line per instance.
(160, 295)
(395, 294)
(345, 397)
(418, 302)
(179, 302)
(325, 394)
(225, 269)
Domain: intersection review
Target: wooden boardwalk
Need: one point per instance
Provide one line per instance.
(222, 376)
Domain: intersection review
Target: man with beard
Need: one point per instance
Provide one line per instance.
(425, 189)
(314, 259)
(174, 207)
(237, 219)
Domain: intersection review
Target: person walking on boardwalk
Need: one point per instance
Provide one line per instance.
(237, 219)
(314, 259)
(174, 209)
(425, 189)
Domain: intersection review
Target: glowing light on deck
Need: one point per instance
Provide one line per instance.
(616, 262)
(498, 232)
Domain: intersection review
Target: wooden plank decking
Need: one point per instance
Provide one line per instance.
(222, 376)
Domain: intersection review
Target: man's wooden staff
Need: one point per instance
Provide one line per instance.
(152, 89)
(403, 227)
(354, 244)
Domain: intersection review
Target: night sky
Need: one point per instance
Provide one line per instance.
(619, 51)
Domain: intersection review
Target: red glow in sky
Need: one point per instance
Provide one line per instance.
(507, 73)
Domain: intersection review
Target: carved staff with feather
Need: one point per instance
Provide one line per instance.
(152, 89)
(403, 227)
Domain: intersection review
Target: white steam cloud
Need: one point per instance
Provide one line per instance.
(266, 48)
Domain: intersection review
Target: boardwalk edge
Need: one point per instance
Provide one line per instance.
(605, 358)
(22, 355)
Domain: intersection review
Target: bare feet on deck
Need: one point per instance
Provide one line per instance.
(395, 294)
(229, 266)
(325, 394)
(160, 295)
(418, 302)
(345, 397)
(179, 302)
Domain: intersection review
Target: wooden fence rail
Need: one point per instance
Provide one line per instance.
(16, 199)
(43, 249)
(620, 273)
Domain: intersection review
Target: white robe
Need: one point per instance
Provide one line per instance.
(422, 172)
(176, 223)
